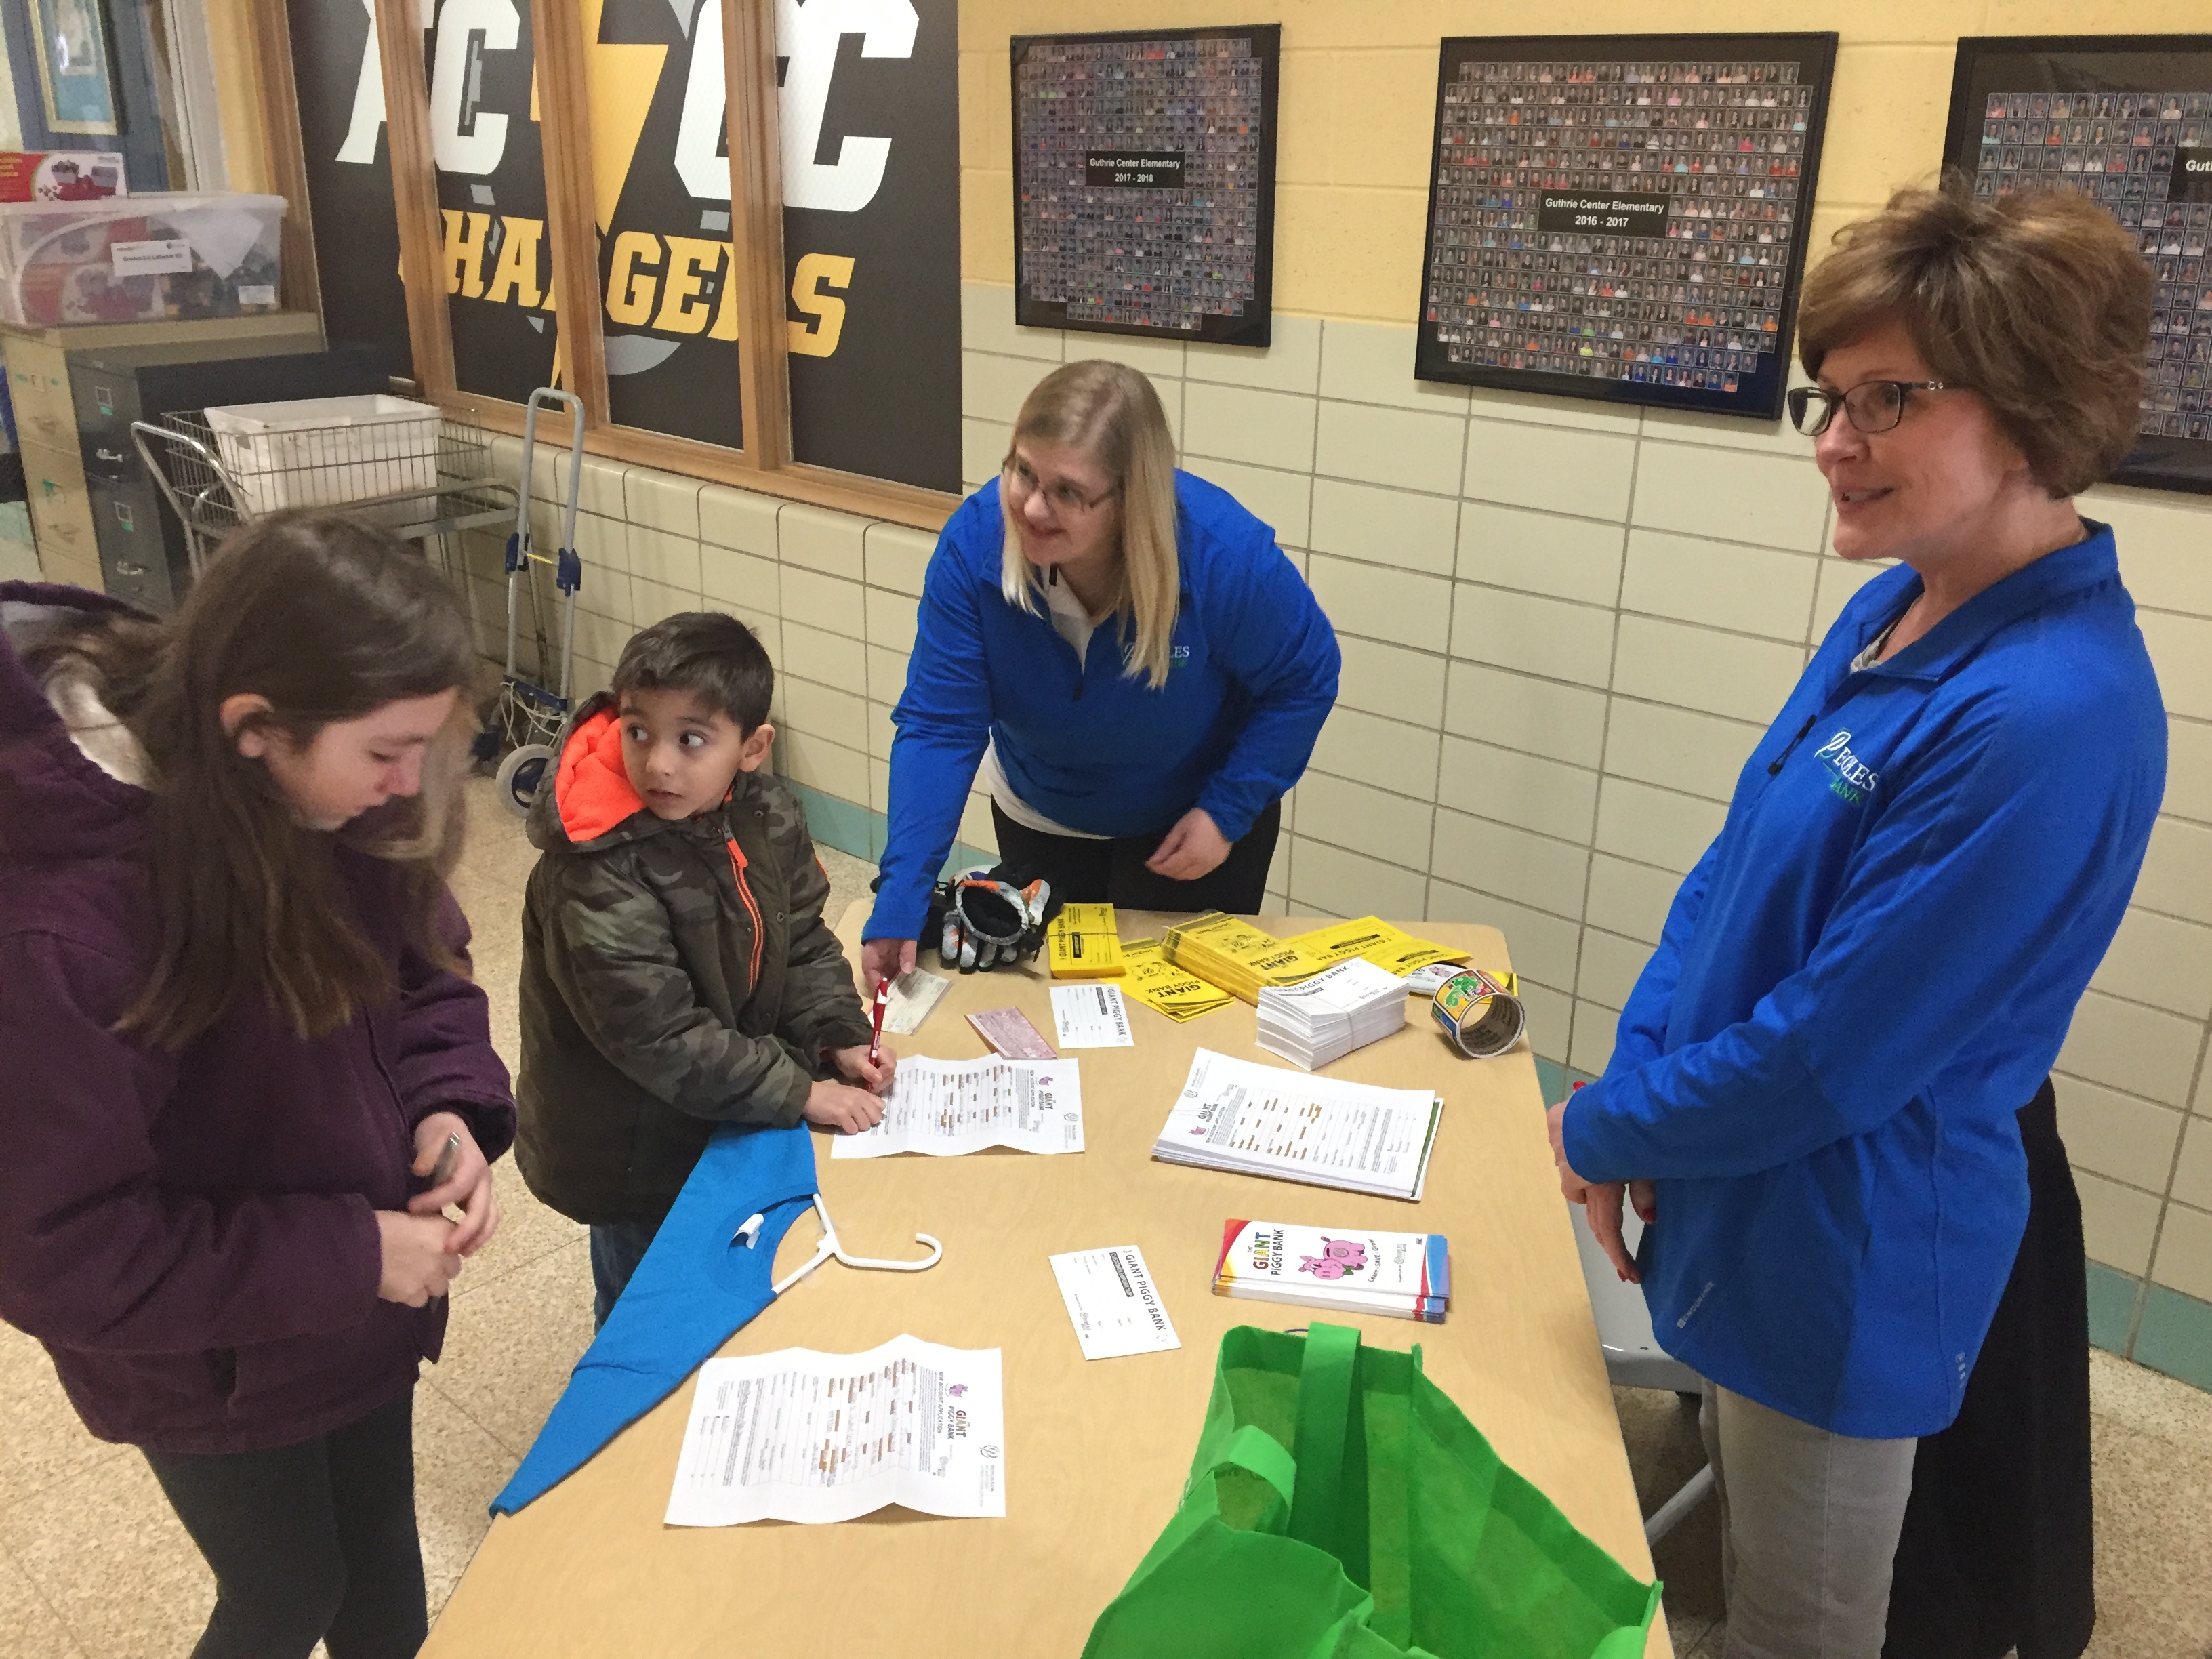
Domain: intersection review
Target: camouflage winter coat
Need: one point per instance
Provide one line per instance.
(676, 976)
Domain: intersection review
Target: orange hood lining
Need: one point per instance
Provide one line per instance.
(592, 787)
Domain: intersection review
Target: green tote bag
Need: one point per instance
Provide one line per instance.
(1342, 1507)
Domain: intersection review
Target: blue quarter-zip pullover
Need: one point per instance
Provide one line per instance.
(1864, 978)
(1252, 678)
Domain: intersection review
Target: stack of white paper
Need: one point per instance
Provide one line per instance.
(1259, 1120)
(1325, 1018)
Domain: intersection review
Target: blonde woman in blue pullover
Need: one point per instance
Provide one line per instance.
(1820, 1073)
(1121, 654)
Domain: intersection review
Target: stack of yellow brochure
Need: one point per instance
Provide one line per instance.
(1175, 992)
(1230, 952)
(1372, 939)
(1084, 944)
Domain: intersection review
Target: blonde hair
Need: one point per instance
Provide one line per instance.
(1110, 412)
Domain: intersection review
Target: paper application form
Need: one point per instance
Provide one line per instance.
(1261, 1119)
(946, 1107)
(808, 1436)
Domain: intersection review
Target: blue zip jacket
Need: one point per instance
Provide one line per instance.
(1866, 976)
(1252, 678)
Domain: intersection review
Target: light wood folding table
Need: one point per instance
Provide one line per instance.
(1096, 1452)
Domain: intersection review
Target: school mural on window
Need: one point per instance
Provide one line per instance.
(872, 240)
(869, 131)
(491, 197)
(353, 222)
(871, 221)
(490, 173)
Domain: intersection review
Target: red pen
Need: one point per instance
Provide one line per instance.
(882, 1001)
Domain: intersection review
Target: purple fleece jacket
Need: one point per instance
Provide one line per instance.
(191, 1235)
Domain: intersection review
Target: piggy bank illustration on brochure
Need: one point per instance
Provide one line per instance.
(1339, 1256)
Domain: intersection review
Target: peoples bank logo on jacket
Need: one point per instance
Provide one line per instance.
(1853, 779)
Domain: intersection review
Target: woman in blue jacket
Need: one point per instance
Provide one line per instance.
(1819, 1072)
(1122, 655)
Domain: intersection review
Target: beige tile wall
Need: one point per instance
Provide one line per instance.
(1563, 626)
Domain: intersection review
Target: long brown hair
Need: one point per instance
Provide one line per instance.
(329, 619)
(1112, 413)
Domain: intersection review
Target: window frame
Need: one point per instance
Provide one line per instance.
(764, 465)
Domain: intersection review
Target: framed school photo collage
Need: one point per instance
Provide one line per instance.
(1144, 182)
(1623, 217)
(2127, 121)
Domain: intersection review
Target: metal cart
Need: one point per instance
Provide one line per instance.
(214, 488)
(530, 714)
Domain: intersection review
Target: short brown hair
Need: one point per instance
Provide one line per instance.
(2039, 302)
(706, 652)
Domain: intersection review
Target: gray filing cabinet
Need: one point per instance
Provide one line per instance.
(39, 384)
(143, 553)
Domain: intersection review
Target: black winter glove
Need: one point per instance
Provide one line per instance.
(982, 918)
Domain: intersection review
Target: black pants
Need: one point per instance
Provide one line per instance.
(1998, 1546)
(1113, 871)
(309, 1543)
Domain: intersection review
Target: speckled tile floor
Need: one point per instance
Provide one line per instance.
(92, 1566)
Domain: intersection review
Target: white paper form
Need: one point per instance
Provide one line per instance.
(1115, 1304)
(1091, 1017)
(808, 1436)
(950, 1107)
(1261, 1120)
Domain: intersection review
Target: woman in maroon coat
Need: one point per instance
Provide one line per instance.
(248, 1093)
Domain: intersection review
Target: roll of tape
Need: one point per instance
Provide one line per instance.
(1480, 1016)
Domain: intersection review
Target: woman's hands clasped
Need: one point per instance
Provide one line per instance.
(422, 1251)
(1605, 1201)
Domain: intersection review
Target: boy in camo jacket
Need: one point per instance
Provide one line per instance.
(677, 971)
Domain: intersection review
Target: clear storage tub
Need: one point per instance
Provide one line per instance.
(322, 452)
(173, 256)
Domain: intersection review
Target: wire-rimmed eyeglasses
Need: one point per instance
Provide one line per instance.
(1063, 497)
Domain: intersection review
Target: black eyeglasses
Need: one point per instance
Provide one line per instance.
(1872, 405)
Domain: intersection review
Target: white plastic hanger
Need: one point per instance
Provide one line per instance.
(749, 1234)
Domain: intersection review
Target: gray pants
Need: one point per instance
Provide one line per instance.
(1809, 1522)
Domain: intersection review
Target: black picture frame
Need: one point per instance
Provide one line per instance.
(2114, 68)
(1654, 293)
(1042, 272)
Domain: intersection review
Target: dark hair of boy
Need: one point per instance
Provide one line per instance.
(712, 656)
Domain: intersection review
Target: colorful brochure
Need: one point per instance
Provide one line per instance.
(1403, 1275)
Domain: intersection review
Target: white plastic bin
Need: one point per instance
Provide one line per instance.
(321, 452)
(172, 255)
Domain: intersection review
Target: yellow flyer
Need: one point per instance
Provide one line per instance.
(1158, 983)
(1391, 949)
(1083, 942)
(1236, 954)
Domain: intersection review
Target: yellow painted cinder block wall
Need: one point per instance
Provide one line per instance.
(1358, 102)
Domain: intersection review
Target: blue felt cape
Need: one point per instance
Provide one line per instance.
(695, 1288)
